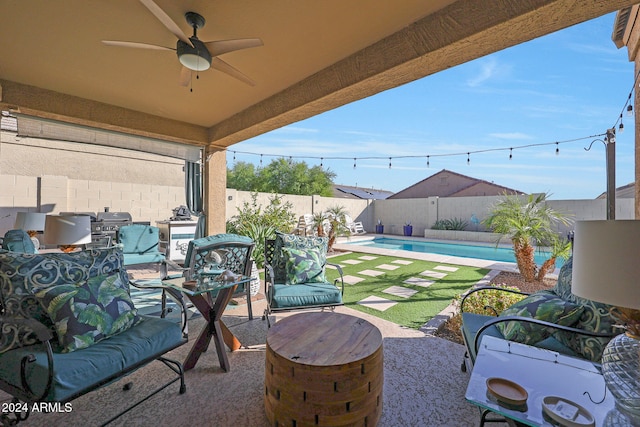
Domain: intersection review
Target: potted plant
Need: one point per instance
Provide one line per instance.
(408, 229)
(379, 227)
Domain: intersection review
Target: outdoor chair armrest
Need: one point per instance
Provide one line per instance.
(341, 279)
(42, 335)
(489, 323)
(484, 288)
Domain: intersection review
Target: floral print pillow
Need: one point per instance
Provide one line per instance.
(91, 311)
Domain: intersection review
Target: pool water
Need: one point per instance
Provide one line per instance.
(489, 252)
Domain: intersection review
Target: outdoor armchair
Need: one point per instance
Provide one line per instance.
(295, 275)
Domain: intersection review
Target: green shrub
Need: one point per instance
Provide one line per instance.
(257, 223)
(450, 224)
(482, 302)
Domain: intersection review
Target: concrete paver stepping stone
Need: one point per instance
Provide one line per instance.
(377, 303)
(402, 262)
(368, 257)
(352, 280)
(446, 268)
(419, 281)
(372, 273)
(352, 261)
(400, 291)
(434, 274)
(333, 267)
(387, 267)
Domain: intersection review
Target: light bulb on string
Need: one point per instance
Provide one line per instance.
(427, 161)
(621, 128)
(234, 156)
(321, 161)
(629, 110)
(389, 162)
(557, 149)
(260, 159)
(354, 162)
(510, 153)
(468, 159)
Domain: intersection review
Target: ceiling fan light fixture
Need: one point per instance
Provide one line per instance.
(196, 58)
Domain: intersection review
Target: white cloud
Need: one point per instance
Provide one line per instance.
(488, 69)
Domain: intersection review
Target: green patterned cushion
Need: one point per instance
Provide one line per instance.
(539, 306)
(304, 265)
(296, 242)
(88, 312)
(20, 272)
(596, 317)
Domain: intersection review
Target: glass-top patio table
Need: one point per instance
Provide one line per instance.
(210, 296)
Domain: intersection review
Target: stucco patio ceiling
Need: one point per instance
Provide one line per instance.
(317, 55)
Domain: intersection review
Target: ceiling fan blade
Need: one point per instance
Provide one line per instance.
(224, 46)
(135, 45)
(166, 21)
(220, 65)
(185, 77)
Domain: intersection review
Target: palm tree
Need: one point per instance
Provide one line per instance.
(319, 219)
(527, 222)
(337, 223)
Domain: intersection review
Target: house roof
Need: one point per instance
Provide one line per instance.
(625, 192)
(351, 192)
(446, 183)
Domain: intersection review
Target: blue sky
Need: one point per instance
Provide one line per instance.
(565, 86)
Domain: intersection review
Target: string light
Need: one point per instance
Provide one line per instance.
(391, 158)
(234, 156)
(510, 153)
(320, 161)
(557, 149)
(630, 110)
(389, 162)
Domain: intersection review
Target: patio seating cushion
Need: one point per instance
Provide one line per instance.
(88, 312)
(296, 242)
(541, 306)
(596, 317)
(18, 241)
(140, 244)
(304, 295)
(304, 265)
(19, 272)
(81, 370)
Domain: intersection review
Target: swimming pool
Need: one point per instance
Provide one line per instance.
(489, 252)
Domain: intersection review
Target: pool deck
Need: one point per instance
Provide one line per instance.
(497, 266)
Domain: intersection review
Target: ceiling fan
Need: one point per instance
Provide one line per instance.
(194, 54)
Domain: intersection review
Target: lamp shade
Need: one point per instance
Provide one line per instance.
(606, 262)
(30, 221)
(67, 230)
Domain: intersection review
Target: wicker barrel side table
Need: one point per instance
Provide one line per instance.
(323, 369)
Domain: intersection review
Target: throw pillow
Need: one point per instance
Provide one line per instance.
(304, 265)
(296, 242)
(86, 313)
(538, 306)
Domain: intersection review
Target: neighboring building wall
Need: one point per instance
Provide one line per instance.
(145, 185)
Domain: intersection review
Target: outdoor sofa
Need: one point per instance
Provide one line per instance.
(68, 326)
(553, 319)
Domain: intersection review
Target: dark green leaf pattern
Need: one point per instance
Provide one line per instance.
(98, 308)
(295, 242)
(304, 265)
(541, 306)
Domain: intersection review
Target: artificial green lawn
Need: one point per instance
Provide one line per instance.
(411, 312)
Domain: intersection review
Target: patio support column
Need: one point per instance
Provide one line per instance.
(215, 187)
